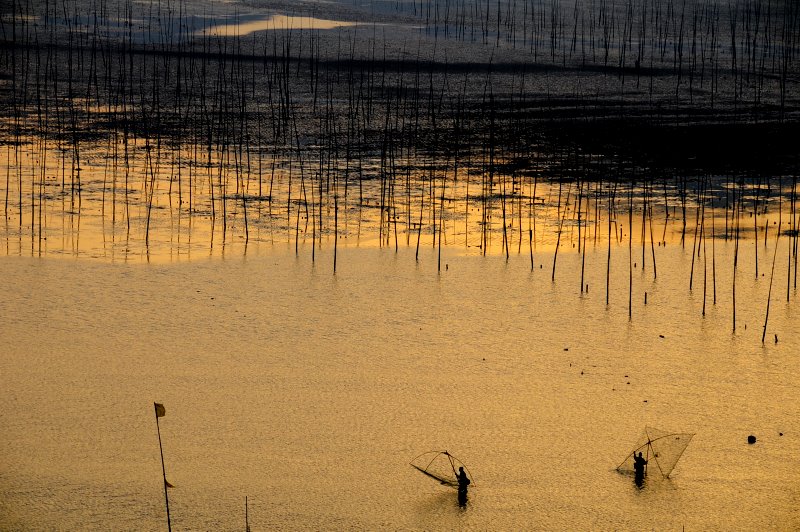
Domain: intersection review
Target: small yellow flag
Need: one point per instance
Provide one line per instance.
(160, 412)
(168, 484)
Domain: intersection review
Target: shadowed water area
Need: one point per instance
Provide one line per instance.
(331, 238)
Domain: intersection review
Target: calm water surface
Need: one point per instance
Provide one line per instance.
(309, 393)
(133, 275)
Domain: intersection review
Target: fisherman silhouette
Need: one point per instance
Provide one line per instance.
(638, 468)
(463, 482)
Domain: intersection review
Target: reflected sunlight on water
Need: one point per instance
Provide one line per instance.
(274, 23)
(310, 393)
(456, 319)
(327, 253)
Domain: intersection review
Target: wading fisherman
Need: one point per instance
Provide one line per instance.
(463, 482)
(638, 468)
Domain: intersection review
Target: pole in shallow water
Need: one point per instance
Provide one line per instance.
(160, 412)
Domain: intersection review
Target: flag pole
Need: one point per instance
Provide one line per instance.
(163, 469)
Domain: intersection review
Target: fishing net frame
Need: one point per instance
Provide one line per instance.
(660, 448)
(442, 467)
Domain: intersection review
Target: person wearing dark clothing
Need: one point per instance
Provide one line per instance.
(639, 464)
(463, 482)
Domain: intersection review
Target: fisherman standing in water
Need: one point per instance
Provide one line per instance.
(463, 482)
(638, 468)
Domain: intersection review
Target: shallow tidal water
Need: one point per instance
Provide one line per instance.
(185, 279)
(310, 392)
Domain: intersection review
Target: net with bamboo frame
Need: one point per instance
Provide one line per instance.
(661, 449)
(440, 466)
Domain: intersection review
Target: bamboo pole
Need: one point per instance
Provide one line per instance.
(159, 411)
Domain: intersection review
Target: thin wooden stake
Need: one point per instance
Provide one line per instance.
(159, 410)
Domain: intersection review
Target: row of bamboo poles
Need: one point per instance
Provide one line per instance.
(316, 131)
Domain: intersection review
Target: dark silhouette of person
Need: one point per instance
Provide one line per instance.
(463, 482)
(639, 464)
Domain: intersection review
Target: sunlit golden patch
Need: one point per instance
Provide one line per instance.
(275, 23)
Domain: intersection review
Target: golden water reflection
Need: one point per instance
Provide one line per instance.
(134, 201)
(273, 374)
(275, 23)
